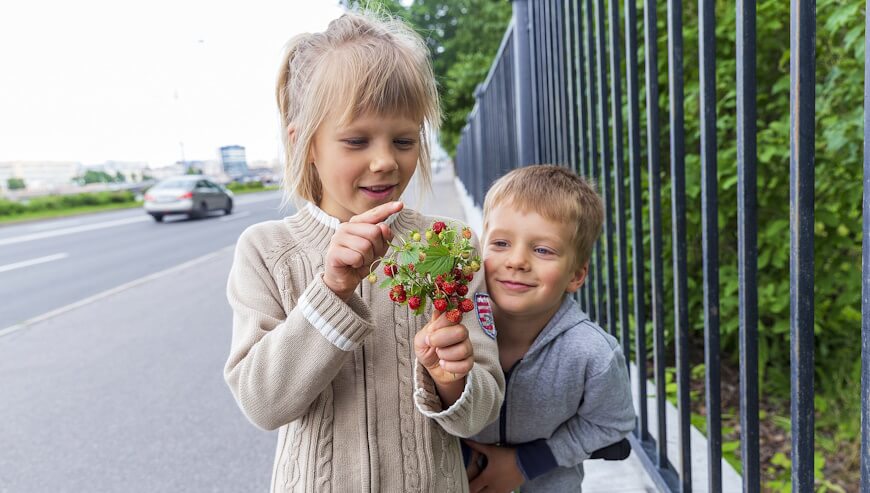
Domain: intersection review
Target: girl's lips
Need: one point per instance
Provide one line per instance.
(378, 193)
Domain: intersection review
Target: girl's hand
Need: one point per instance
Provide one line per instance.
(445, 350)
(353, 248)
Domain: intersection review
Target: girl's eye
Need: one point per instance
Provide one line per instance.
(404, 143)
(499, 243)
(355, 142)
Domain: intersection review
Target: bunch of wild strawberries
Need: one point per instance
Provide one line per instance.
(438, 268)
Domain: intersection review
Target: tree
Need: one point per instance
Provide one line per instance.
(119, 178)
(16, 184)
(94, 176)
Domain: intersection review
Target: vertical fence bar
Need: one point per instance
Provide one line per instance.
(802, 112)
(604, 181)
(568, 83)
(678, 223)
(523, 84)
(710, 240)
(580, 87)
(747, 248)
(865, 274)
(619, 179)
(634, 165)
(534, 56)
(592, 277)
(562, 84)
(655, 193)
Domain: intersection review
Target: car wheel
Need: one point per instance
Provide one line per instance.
(229, 209)
(202, 211)
(158, 217)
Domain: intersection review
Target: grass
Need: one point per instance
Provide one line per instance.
(76, 211)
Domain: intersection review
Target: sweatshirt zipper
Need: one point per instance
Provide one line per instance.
(502, 419)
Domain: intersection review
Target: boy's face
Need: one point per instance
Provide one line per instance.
(528, 262)
(364, 164)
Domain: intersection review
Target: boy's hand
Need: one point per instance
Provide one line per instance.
(501, 474)
(447, 354)
(355, 245)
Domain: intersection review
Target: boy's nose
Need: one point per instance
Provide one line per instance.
(517, 260)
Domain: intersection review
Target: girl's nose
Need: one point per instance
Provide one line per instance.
(383, 160)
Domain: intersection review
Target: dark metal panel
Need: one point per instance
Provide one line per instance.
(655, 194)
(802, 141)
(634, 166)
(710, 239)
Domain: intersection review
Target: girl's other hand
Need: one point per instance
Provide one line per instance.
(445, 350)
(355, 245)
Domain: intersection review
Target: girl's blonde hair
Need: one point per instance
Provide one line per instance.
(364, 63)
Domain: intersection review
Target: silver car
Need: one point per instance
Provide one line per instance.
(193, 195)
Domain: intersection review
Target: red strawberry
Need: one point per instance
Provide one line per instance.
(454, 316)
(449, 287)
(440, 304)
(401, 297)
(469, 277)
(411, 267)
(466, 233)
(462, 290)
(398, 288)
(414, 302)
(457, 273)
(392, 296)
(466, 305)
(390, 270)
(438, 227)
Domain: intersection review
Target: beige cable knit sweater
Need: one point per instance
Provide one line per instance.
(355, 411)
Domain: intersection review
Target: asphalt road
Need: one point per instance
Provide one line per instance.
(48, 265)
(123, 392)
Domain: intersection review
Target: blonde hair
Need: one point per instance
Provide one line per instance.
(364, 63)
(557, 194)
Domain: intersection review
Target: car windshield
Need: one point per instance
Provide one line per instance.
(183, 184)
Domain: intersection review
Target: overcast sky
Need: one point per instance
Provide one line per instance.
(97, 80)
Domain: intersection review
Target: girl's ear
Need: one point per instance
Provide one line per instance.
(578, 278)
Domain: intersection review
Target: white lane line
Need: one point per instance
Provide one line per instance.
(234, 217)
(34, 261)
(115, 290)
(74, 229)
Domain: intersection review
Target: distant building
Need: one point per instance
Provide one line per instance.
(40, 175)
(234, 161)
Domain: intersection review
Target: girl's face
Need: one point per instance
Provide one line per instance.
(364, 164)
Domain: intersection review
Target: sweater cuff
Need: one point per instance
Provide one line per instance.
(344, 324)
(429, 403)
(535, 458)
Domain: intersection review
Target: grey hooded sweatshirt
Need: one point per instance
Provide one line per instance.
(567, 397)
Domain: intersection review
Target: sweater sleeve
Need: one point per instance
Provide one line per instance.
(280, 362)
(480, 401)
(605, 416)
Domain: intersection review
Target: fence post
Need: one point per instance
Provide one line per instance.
(523, 86)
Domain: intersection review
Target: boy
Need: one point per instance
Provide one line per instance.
(567, 389)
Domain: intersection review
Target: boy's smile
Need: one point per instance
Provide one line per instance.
(529, 263)
(365, 163)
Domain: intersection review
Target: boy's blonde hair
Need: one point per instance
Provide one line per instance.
(362, 63)
(557, 194)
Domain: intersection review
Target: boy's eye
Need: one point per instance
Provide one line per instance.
(355, 142)
(543, 251)
(499, 243)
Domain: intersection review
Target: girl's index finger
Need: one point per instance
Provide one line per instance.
(378, 214)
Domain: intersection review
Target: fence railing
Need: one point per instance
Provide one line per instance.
(546, 100)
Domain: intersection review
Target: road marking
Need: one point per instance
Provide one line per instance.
(74, 229)
(234, 217)
(115, 290)
(35, 261)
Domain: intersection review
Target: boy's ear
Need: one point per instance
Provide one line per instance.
(578, 278)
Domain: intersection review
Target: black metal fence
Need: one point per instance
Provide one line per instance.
(546, 100)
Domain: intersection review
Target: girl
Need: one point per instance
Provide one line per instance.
(317, 353)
